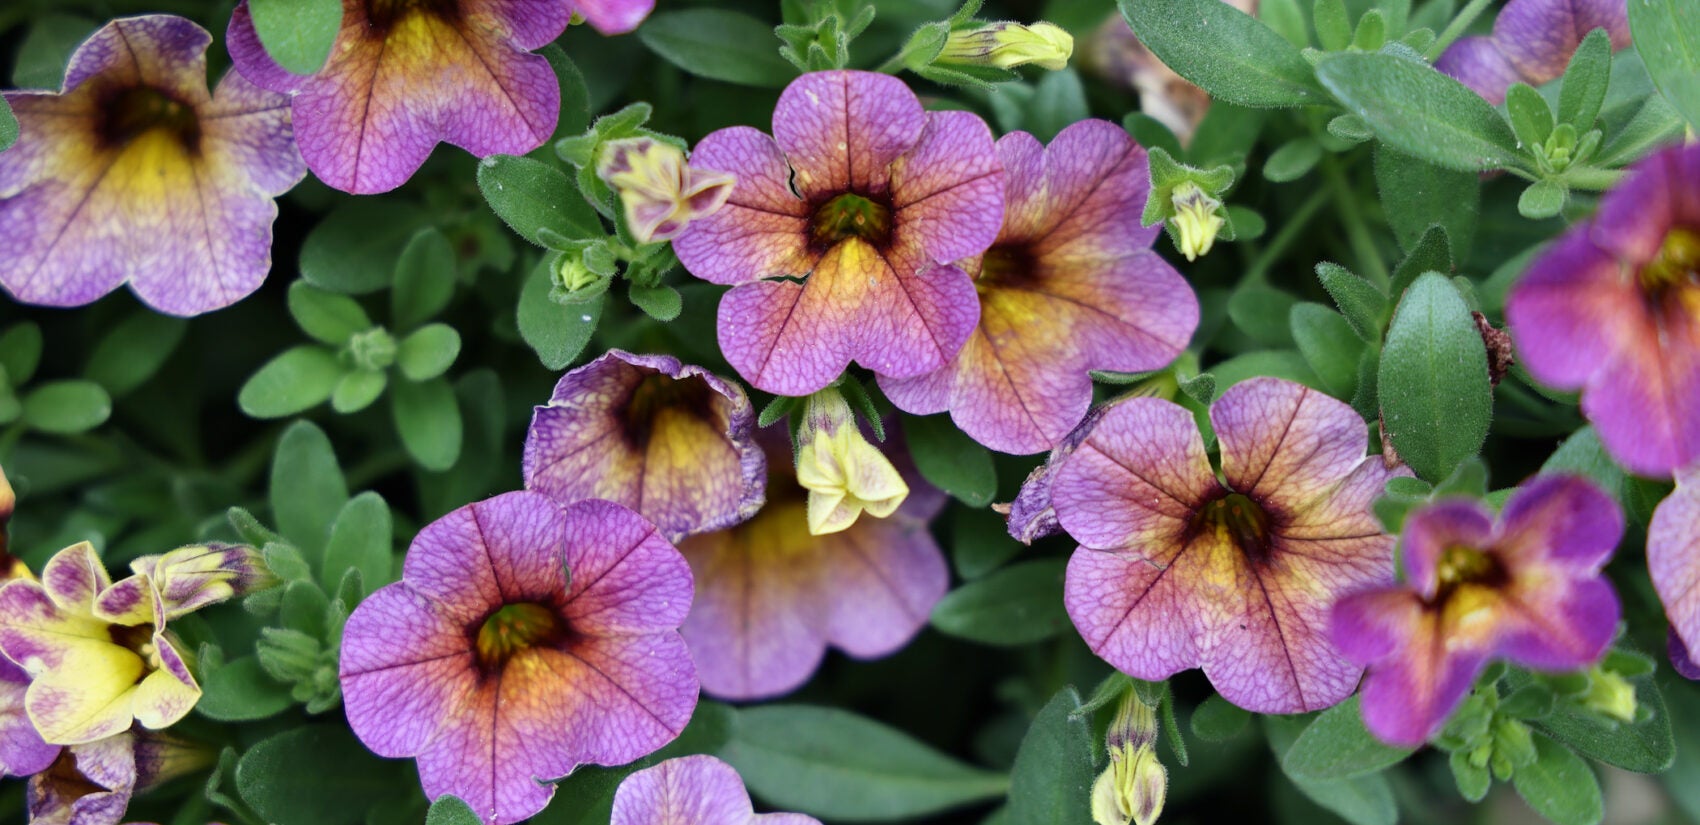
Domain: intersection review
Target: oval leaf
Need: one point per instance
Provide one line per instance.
(1667, 35)
(1436, 399)
(427, 418)
(298, 34)
(1051, 782)
(67, 407)
(719, 45)
(1017, 605)
(950, 460)
(1338, 746)
(295, 380)
(1421, 112)
(1225, 52)
(530, 196)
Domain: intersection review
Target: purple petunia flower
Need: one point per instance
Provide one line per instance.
(133, 173)
(1673, 559)
(91, 783)
(691, 790)
(403, 76)
(1609, 310)
(771, 597)
(671, 441)
(1532, 42)
(524, 639)
(1178, 569)
(612, 16)
(1071, 285)
(1525, 587)
(886, 197)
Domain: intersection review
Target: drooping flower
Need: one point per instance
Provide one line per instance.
(1525, 587)
(691, 790)
(406, 74)
(771, 597)
(1178, 569)
(91, 783)
(612, 16)
(523, 640)
(672, 441)
(1007, 45)
(1610, 310)
(660, 192)
(97, 652)
(844, 473)
(1673, 560)
(133, 173)
(856, 262)
(1532, 42)
(1070, 286)
(190, 578)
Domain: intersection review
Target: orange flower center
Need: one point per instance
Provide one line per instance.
(1677, 263)
(851, 216)
(1241, 519)
(130, 113)
(1460, 565)
(516, 627)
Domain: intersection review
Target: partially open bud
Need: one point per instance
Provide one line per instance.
(1008, 45)
(1197, 220)
(660, 192)
(190, 578)
(843, 473)
(1132, 789)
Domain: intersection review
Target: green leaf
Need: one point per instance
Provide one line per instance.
(326, 316)
(1293, 160)
(1644, 747)
(67, 407)
(1333, 28)
(20, 352)
(1542, 199)
(318, 775)
(353, 250)
(1667, 35)
(1418, 194)
(575, 98)
(297, 34)
(133, 351)
(358, 389)
(424, 279)
(1531, 118)
(428, 352)
(1654, 123)
(1059, 99)
(1473, 780)
(1432, 253)
(950, 460)
(450, 810)
(1421, 112)
(1329, 345)
(241, 691)
(427, 418)
(1261, 312)
(980, 543)
(47, 48)
(531, 196)
(1017, 605)
(362, 538)
(1224, 51)
(1585, 81)
(720, 45)
(8, 126)
(1216, 719)
(1559, 786)
(307, 488)
(660, 302)
(1362, 800)
(297, 379)
(556, 332)
(1051, 781)
(834, 764)
(1436, 400)
(1286, 18)
(1338, 746)
(1363, 305)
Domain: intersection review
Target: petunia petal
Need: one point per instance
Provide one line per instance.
(1417, 674)
(405, 667)
(1478, 63)
(843, 129)
(1560, 520)
(947, 191)
(762, 231)
(1136, 480)
(626, 578)
(1284, 443)
(1673, 558)
(691, 790)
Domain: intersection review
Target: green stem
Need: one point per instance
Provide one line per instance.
(894, 64)
(1288, 233)
(1357, 232)
(1456, 28)
(1592, 178)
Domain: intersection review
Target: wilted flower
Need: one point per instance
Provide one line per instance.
(1070, 286)
(691, 790)
(771, 597)
(612, 16)
(1525, 586)
(91, 783)
(22, 752)
(886, 197)
(671, 441)
(843, 472)
(523, 640)
(1532, 42)
(1007, 45)
(1178, 569)
(133, 173)
(1609, 310)
(97, 653)
(190, 578)
(660, 192)
(403, 76)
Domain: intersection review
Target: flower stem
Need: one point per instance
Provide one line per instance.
(1456, 28)
(1357, 232)
(1289, 232)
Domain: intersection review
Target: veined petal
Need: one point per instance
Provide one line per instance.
(793, 339)
(691, 790)
(1478, 63)
(613, 16)
(90, 785)
(1284, 443)
(762, 230)
(1136, 480)
(1673, 557)
(947, 191)
(1418, 672)
(405, 666)
(1539, 36)
(626, 578)
(21, 750)
(843, 129)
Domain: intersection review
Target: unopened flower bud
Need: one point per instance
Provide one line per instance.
(1610, 695)
(661, 193)
(1132, 789)
(374, 349)
(1197, 220)
(8, 501)
(1008, 45)
(844, 474)
(575, 282)
(190, 578)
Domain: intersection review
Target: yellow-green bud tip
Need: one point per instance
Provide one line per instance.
(1008, 45)
(844, 474)
(1197, 220)
(1610, 695)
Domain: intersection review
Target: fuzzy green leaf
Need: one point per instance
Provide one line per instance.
(1436, 401)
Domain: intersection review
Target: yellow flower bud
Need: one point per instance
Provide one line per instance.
(1610, 695)
(1196, 219)
(844, 474)
(1131, 791)
(1007, 45)
(660, 192)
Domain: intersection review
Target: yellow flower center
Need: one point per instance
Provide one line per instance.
(130, 113)
(851, 216)
(516, 627)
(1461, 565)
(1677, 263)
(658, 396)
(1006, 265)
(1241, 520)
(382, 15)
